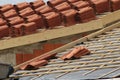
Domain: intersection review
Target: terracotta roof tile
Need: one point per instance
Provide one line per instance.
(34, 65)
(4, 31)
(63, 6)
(75, 53)
(69, 17)
(37, 3)
(53, 3)
(115, 5)
(22, 5)
(6, 7)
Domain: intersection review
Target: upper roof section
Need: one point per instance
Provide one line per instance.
(74, 16)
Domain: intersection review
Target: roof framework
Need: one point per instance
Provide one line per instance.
(104, 59)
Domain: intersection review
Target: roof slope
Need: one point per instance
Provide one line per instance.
(104, 61)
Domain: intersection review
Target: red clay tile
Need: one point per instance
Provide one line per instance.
(37, 3)
(41, 8)
(4, 31)
(29, 28)
(22, 5)
(63, 6)
(115, 4)
(2, 22)
(26, 9)
(22, 29)
(53, 19)
(34, 65)
(53, 3)
(13, 18)
(0, 15)
(6, 7)
(86, 14)
(16, 21)
(82, 53)
(26, 12)
(37, 19)
(10, 13)
(44, 9)
(69, 17)
(80, 4)
(101, 6)
(48, 56)
(76, 53)
(72, 1)
(39, 60)
(71, 53)
(16, 30)
(38, 64)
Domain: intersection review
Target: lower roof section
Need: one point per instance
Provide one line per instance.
(103, 62)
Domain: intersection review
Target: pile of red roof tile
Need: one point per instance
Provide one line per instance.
(76, 53)
(115, 5)
(43, 58)
(25, 18)
(34, 64)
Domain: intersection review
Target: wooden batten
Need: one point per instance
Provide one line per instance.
(111, 17)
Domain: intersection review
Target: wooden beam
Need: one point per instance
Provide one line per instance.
(111, 17)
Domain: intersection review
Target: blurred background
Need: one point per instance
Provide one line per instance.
(2, 2)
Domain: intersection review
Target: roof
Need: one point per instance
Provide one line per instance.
(24, 9)
(103, 62)
(8, 42)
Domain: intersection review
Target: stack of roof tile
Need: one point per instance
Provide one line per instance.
(44, 9)
(21, 6)
(19, 19)
(86, 14)
(80, 4)
(75, 53)
(100, 6)
(69, 17)
(6, 7)
(26, 12)
(52, 19)
(53, 3)
(37, 19)
(34, 64)
(115, 4)
(50, 15)
(37, 4)
(4, 31)
(43, 58)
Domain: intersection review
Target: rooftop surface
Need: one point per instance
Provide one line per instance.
(103, 62)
